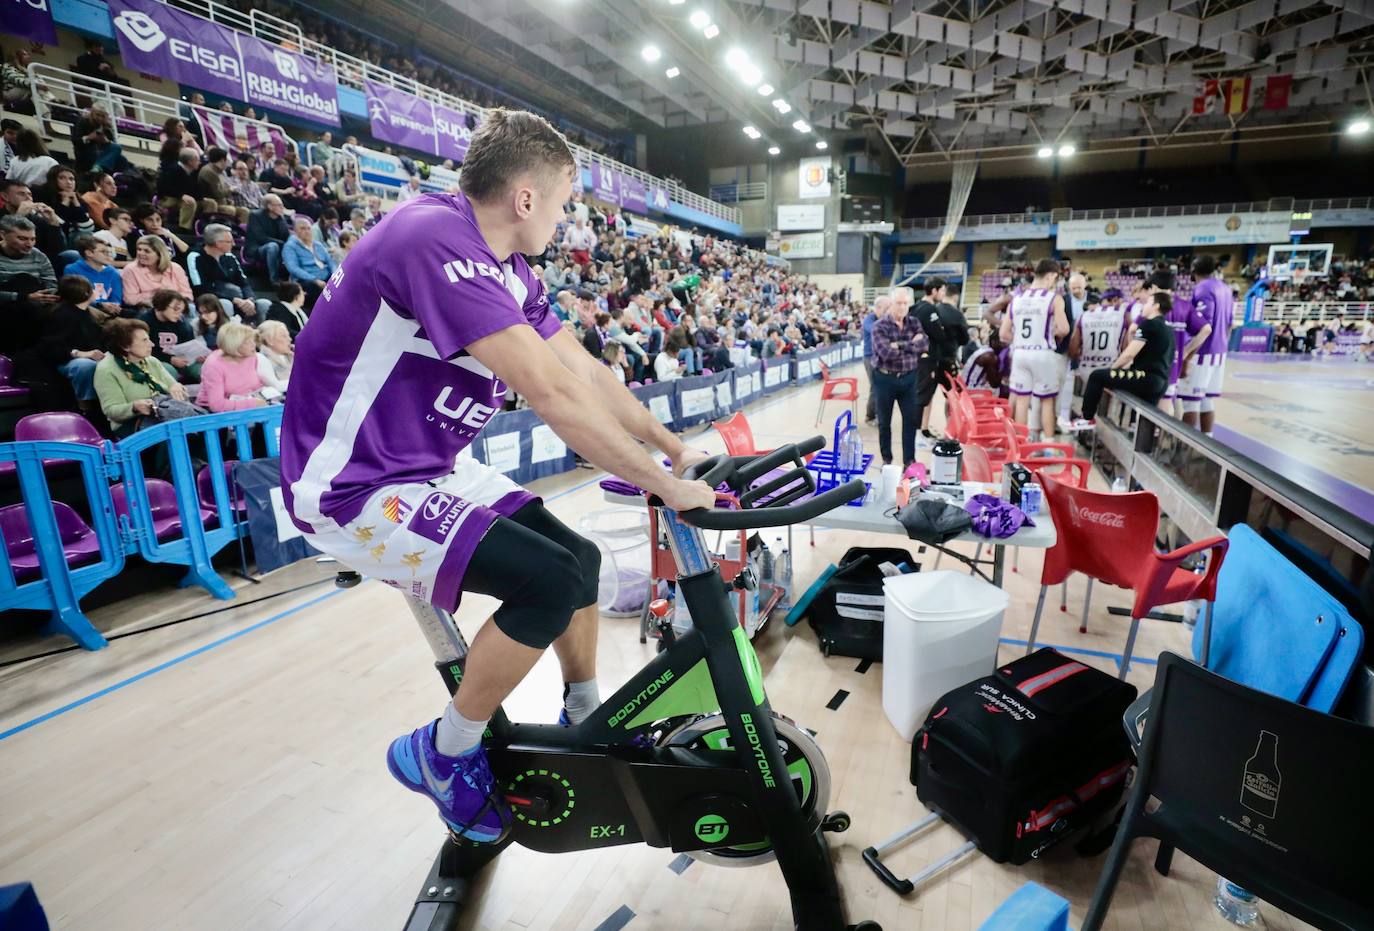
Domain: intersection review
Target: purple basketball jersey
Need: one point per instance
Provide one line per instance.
(1212, 299)
(383, 389)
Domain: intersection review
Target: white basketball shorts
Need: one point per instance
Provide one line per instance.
(1039, 372)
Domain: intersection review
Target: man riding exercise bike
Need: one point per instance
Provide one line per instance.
(408, 353)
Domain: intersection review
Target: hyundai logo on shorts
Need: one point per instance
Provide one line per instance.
(436, 504)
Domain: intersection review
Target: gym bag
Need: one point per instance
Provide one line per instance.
(847, 613)
(1021, 759)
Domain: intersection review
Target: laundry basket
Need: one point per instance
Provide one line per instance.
(622, 536)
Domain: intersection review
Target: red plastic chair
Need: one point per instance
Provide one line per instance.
(977, 465)
(1011, 448)
(837, 389)
(1111, 538)
(738, 436)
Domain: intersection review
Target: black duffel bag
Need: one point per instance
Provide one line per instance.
(1021, 759)
(847, 614)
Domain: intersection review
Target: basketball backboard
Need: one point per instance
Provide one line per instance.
(1304, 260)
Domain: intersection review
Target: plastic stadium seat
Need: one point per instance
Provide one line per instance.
(844, 388)
(10, 392)
(162, 500)
(206, 489)
(79, 542)
(57, 427)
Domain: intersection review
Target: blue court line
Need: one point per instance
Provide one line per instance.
(167, 665)
(1082, 651)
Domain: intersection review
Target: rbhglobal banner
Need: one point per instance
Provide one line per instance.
(156, 39)
(406, 120)
(1217, 229)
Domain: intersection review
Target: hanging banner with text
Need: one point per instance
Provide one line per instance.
(31, 19)
(802, 246)
(634, 195)
(157, 39)
(415, 123)
(1237, 229)
(658, 198)
(606, 184)
(288, 82)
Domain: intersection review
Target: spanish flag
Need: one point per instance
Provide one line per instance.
(1236, 95)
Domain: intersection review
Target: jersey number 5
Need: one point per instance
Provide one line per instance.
(1026, 324)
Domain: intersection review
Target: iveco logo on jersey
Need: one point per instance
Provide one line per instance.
(459, 269)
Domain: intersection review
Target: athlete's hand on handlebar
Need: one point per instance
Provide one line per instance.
(682, 495)
(686, 457)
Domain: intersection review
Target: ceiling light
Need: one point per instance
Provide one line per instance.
(673, 72)
(750, 75)
(765, 89)
(774, 150)
(651, 53)
(801, 127)
(699, 19)
(822, 144)
(1067, 149)
(1358, 127)
(751, 132)
(1045, 151)
(711, 31)
(782, 106)
(676, 2)
(736, 58)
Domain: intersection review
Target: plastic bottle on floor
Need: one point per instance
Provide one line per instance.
(1236, 905)
(782, 576)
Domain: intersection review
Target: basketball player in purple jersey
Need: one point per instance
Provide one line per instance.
(1213, 301)
(407, 355)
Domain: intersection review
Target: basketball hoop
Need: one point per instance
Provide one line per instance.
(1299, 274)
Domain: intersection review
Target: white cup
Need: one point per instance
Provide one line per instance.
(887, 489)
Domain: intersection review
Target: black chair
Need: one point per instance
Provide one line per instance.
(1273, 796)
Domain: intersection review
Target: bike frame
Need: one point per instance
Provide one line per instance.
(735, 684)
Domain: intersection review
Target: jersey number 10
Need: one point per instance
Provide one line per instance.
(1097, 342)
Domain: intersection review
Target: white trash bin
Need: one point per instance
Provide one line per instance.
(940, 631)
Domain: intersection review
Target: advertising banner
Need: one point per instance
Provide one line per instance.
(658, 198)
(1144, 232)
(606, 184)
(813, 177)
(234, 133)
(31, 19)
(288, 82)
(634, 196)
(451, 133)
(801, 217)
(983, 232)
(400, 118)
(802, 246)
(156, 39)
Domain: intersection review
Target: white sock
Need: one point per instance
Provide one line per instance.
(580, 699)
(456, 735)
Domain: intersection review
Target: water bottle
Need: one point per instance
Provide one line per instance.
(782, 576)
(1235, 904)
(851, 451)
(1119, 485)
(766, 565)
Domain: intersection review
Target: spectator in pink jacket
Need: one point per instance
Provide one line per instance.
(229, 380)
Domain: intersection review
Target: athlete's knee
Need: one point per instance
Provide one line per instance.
(588, 556)
(538, 611)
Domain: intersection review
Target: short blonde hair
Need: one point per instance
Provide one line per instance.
(164, 257)
(269, 329)
(232, 338)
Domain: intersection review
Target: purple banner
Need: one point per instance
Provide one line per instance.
(606, 183)
(1254, 339)
(400, 118)
(31, 19)
(633, 195)
(451, 133)
(156, 39)
(658, 198)
(289, 82)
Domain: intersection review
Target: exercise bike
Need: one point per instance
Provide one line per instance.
(687, 754)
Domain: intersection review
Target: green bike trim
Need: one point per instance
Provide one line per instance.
(750, 661)
(690, 693)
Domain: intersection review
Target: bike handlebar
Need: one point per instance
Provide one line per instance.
(740, 472)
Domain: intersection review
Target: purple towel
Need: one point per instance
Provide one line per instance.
(994, 518)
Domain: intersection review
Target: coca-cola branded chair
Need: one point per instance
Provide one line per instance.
(1269, 794)
(1111, 538)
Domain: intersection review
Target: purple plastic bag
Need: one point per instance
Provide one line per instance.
(994, 518)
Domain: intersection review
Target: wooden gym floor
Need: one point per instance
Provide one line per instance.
(228, 773)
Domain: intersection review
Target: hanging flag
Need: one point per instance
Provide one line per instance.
(1237, 95)
(1206, 100)
(1276, 90)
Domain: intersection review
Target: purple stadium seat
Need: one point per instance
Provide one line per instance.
(10, 392)
(57, 427)
(162, 499)
(79, 542)
(206, 489)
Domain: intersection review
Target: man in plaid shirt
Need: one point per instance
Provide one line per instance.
(898, 344)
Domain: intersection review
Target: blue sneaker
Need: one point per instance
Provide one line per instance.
(462, 787)
(563, 719)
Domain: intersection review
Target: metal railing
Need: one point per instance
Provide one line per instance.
(1178, 210)
(59, 94)
(734, 193)
(1295, 311)
(352, 71)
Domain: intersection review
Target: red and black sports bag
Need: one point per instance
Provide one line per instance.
(1021, 759)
